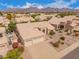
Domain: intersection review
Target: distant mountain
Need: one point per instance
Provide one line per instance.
(34, 9)
(14, 10)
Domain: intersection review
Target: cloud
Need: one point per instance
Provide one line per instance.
(27, 5)
(77, 7)
(3, 4)
(62, 4)
(58, 4)
(6, 5)
(73, 1)
(55, 4)
(9, 6)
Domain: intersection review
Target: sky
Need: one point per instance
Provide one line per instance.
(39, 4)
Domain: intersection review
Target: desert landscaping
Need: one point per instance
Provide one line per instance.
(26, 32)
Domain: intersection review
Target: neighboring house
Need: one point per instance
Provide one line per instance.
(66, 23)
(63, 26)
(30, 33)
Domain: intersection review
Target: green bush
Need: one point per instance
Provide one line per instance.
(34, 15)
(13, 54)
(51, 32)
(65, 14)
(11, 26)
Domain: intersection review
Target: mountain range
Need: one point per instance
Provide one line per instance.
(45, 10)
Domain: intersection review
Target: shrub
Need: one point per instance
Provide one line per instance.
(34, 15)
(9, 16)
(62, 43)
(21, 48)
(65, 14)
(43, 30)
(76, 34)
(51, 32)
(1, 14)
(39, 29)
(55, 44)
(13, 54)
(62, 38)
(1, 25)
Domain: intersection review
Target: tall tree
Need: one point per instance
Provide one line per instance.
(11, 26)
